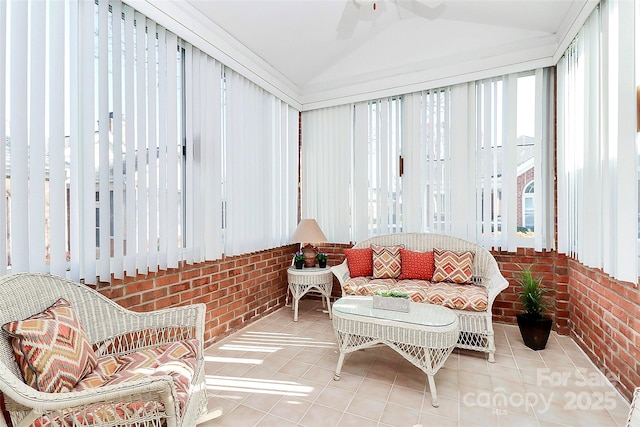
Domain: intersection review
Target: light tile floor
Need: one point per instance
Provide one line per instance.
(277, 372)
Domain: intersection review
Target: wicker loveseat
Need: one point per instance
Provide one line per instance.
(486, 283)
(148, 367)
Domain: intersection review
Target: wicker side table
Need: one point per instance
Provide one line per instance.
(301, 281)
(425, 336)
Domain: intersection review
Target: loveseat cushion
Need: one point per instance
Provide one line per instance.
(177, 360)
(457, 297)
(367, 285)
(52, 348)
(451, 295)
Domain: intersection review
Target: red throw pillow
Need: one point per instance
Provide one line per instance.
(359, 261)
(416, 265)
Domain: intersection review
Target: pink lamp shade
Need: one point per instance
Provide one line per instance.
(308, 231)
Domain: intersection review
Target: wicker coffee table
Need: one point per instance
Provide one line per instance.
(425, 336)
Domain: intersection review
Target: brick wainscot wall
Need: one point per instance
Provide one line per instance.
(600, 313)
(236, 290)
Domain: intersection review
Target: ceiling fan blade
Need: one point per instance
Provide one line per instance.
(348, 20)
(421, 9)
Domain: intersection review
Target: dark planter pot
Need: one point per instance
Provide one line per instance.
(534, 330)
(322, 264)
(299, 264)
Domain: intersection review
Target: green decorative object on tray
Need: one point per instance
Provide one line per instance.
(392, 300)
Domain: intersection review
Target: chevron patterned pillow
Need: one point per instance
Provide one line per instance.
(52, 348)
(450, 266)
(386, 261)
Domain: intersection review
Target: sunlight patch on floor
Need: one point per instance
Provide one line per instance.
(257, 385)
(218, 359)
(271, 340)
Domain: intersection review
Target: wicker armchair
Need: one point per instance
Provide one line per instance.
(634, 411)
(112, 330)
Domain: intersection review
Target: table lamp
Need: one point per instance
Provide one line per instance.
(308, 232)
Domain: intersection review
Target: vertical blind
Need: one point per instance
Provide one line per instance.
(113, 146)
(597, 170)
(326, 167)
(203, 162)
(467, 160)
(261, 167)
(33, 115)
(435, 150)
(384, 119)
(137, 146)
(474, 160)
(377, 189)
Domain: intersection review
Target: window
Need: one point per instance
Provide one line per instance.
(110, 222)
(526, 151)
(480, 143)
(527, 224)
(514, 140)
(597, 153)
(146, 192)
(435, 135)
(467, 152)
(384, 147)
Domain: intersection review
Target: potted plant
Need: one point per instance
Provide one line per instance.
(391, 300)
(298, 260)
(322, 259)
(534, 326)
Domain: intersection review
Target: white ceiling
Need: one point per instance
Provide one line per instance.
(323, 52)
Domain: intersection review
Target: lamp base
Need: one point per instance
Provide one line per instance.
(309, 253)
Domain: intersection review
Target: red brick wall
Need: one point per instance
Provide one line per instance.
(236, 290)
(553, 270)
(604, 322)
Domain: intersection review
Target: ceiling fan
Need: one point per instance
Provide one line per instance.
(369, 10)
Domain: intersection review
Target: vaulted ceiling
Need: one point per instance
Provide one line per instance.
(327, 51)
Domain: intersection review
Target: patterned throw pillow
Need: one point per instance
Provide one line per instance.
(386, 261)
(359, 261)
(52, 348)
(416, 265)
(452, 266)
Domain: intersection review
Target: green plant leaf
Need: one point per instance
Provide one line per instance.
(532, 292)
(393, 294)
